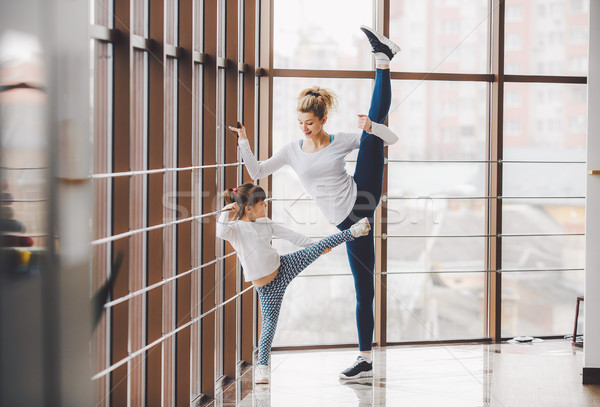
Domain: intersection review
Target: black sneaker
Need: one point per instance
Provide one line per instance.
(360, 368)
(379, 43)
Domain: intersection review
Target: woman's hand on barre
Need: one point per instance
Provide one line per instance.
(364, 123)
(240, 130)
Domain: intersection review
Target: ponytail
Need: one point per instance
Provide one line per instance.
(245, 195)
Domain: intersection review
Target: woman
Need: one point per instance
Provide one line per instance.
(319, 162)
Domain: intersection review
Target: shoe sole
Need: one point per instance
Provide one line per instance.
(384, 40)
(360, 381)
(358, 376)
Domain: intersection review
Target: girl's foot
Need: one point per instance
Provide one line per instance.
(360, 228)
(383, 48)
(261, 374)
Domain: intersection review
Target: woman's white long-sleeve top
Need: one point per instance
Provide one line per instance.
(323, 173)
(252, 242)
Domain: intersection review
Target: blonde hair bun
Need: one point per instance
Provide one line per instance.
(316, 100)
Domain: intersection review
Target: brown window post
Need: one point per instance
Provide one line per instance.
(156, 125)
(120, 198)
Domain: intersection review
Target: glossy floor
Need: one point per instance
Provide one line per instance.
(505, 375)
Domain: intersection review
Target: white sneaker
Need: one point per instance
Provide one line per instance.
(360, 228)
(261, 374)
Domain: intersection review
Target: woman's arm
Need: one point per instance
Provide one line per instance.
(380, 130)
(260, 170)
(255, 169)
(294, 237)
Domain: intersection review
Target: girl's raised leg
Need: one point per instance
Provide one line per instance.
(271, 295)
(293, 263)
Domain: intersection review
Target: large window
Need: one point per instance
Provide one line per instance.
(445, 210)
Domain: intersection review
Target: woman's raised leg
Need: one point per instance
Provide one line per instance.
(368, 174)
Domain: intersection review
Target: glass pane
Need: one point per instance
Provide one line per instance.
(139, 16)
(315, 34)
(318, 311)
(543, 252)
(221, 28)
(545, 122)
(436, 254)
(354, 96)
(544, 180)
(171, 22)
(436, 179)
(101, 13)
(440, 36)
(540, 303)
(302, 321)
(24, 173)
(438, 120)
(199, 28)
(426, 216)
(543, 216)
(546, 38)
(435, 306)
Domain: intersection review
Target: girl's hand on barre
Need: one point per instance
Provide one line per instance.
(240, 130)
(364, 123)
(231, 207)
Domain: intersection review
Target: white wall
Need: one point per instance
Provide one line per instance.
(592, 224)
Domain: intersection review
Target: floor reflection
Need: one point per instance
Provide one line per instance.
(503, 375)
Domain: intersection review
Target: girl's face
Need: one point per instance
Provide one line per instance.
(258, 210)
(310, 124)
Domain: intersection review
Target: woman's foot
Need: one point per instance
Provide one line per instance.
(261, 374)
(361, 368)
(360, 228)
(383, 48)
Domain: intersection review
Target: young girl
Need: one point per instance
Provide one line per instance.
(318, 160)
(244, 224)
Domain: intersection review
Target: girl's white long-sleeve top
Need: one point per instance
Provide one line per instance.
(252, 242)
(323, 173)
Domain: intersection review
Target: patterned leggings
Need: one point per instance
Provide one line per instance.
(271, 294)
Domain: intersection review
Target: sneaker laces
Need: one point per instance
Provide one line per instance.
(358, 361)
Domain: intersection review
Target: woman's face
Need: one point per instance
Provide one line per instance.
(310, 124)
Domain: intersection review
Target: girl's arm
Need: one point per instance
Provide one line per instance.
(294, 237)
(224, 229)
(255, 169)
